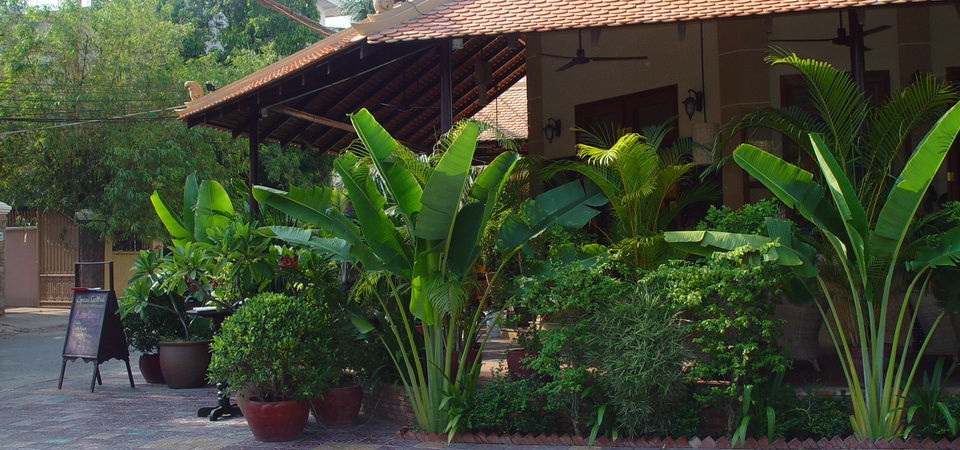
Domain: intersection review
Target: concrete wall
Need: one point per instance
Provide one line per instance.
(122, 266)
(21, 255)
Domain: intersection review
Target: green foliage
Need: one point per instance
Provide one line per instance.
(115, 58)
(638, 175)
(637, 348)
(870, 256)
(504, 406)
(417, 235)
(814, 416)
(358, 10)
(228, 26)
(749, 219)
(929, 414)
(147, 316)
(280, 347)
(147, 289)
(730, 305)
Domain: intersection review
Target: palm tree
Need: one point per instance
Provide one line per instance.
(867, 140)
(357, 9)
(638, 177)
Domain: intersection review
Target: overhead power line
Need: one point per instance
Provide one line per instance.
(105, 119)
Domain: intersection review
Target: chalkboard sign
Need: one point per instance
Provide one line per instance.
(94, 332)
(86, 324)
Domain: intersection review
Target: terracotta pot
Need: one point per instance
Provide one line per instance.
(515, 365)
(184, 364)
(471, 357)
(339, 406)
(150, 368)
(276, 421)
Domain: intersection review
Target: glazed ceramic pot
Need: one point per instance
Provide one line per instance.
(184, 364)
(150, 368)
(276, 421)
(339, 406)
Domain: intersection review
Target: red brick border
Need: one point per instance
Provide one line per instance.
(694, 442)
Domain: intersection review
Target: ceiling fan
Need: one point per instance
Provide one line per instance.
(582, 58)
(842, 37)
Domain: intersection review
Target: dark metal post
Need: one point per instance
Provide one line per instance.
(446, 85)
(857, 59)
(252, 181)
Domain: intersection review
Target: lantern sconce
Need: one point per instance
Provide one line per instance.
(552, 129)
(693, 103)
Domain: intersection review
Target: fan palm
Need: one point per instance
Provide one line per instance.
(638, 175)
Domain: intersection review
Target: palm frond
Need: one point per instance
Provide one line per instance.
(600, 134)
(890, 125)
(842, 105)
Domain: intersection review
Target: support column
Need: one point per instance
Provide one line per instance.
(535, 140)
(744, 86)
(446, 85)
(857, 58)
(254, 156)
(913, 38)
(4, 210)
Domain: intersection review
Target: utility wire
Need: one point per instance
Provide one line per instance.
(62, 125)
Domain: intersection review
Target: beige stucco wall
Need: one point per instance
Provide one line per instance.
(672, 60)
(122, 265)
(677, 61)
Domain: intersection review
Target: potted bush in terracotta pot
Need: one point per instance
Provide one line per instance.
(144, 324)
(276, 347)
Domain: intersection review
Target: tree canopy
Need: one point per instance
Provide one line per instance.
(86, 100)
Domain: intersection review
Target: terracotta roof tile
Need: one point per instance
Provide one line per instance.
(507, 112)
(486, 17)
(279, 69)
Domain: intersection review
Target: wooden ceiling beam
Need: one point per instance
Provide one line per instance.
(464, 75)
(293, 112)
(468, 103)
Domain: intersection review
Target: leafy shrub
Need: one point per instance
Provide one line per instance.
(505, 406)
(145, 327)
(281, 347)
(637, 348)
(815, 416)
(569, 288)
(749, 219)
(729, 305)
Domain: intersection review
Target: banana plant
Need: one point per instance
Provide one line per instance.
(205, 206)
(421, 233)
(871, 259)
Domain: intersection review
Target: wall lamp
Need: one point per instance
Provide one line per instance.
(552, 129)
(693, 103)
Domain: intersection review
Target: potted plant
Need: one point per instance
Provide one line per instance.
(145, 323)
(276, 348)
(160, 286)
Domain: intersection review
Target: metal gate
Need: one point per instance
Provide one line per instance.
(59, 239)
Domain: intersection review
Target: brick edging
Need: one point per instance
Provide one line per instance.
(694, 442)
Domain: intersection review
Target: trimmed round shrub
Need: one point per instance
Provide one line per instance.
(279, 347)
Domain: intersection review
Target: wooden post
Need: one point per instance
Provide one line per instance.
(446, 85)
(857, 58)
(254, 156)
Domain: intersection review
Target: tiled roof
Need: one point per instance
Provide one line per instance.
(507, 112)
(279, 69)
(486, 17)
